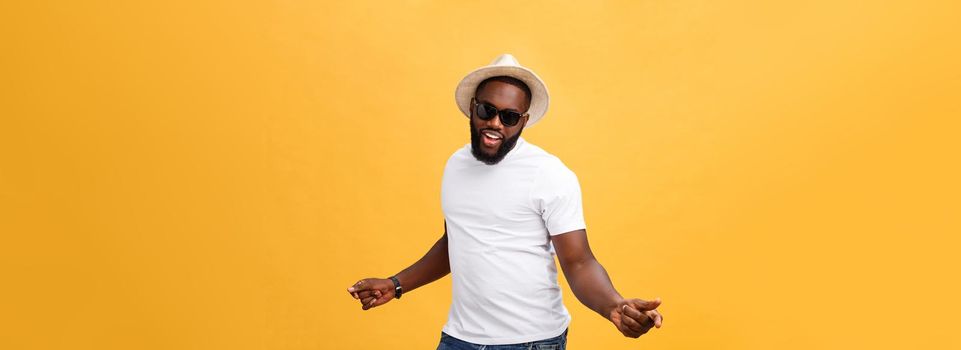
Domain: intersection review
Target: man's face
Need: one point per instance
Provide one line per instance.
(490, 139)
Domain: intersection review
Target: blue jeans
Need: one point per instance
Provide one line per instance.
(448, 342)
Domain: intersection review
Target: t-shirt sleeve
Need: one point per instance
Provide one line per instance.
(557, 197)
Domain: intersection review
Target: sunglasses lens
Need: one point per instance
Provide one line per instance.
(489, 111)
(485, 111)
(510, 118)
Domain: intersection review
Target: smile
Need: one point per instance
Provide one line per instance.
(491, 139)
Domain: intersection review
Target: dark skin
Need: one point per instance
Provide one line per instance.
(588, 279)
(503, 96)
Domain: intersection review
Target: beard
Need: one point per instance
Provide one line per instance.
(506, 146)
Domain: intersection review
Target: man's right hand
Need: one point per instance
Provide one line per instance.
(372, 292)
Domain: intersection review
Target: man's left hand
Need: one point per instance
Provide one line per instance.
(634, 317)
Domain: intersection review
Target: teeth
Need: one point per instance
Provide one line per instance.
(491, 135)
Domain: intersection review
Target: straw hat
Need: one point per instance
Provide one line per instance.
(505, 65)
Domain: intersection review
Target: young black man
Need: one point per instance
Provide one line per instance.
(509, 208)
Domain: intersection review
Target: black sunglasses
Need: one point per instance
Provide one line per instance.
(486, 111)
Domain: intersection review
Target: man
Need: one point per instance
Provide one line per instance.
(509, 207)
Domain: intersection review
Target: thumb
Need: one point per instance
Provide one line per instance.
(645, 305)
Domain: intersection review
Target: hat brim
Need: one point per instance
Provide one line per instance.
(539, 97)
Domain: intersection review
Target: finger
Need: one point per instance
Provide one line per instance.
(632, 324)
(628, 332)
(359, 286)
(367, 300)
(617, 318)
(631, 312)
(644, 305)
(370, 303)
(618, 322)
(352, 292)
(368, 294)
(656, 316)
(377, 301)
(647, 322)
(381, 300)
(646, 318)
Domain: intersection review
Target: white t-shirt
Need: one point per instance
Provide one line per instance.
(499, 222)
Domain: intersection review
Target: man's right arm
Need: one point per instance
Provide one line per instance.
(373, 292)
(431, 267)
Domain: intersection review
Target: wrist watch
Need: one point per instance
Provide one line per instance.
(398, 290)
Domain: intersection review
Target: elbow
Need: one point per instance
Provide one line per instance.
(575, 264)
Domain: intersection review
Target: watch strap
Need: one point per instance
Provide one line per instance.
(398, 290)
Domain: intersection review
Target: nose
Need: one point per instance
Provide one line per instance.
(494, 123)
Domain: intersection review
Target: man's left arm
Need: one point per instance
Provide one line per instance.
(591, 284)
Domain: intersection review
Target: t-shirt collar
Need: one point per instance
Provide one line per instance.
(520, 143)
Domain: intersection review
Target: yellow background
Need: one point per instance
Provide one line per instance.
(214, 174)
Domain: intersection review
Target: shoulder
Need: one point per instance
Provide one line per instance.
(531, 153)
(551, 169)
(547, 161)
